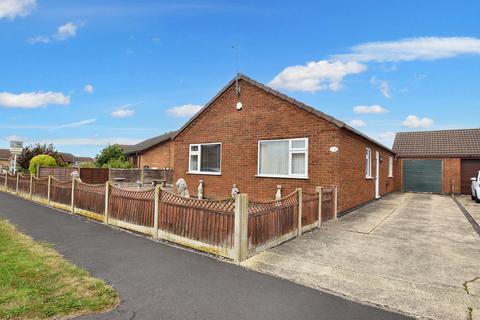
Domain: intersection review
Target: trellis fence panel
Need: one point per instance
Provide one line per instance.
(233, 228)
(273, 222)
(202, 224)
(61, 192)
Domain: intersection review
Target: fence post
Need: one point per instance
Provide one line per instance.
(142, 174)
(241, 227)
(300, 209)
(319, 190)
(31, 187)
(6, 180)
(335, 201)
(107, 195)
(16, 187)
(48, 189)
(73, 194)
(158, 189)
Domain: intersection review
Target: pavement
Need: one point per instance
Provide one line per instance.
(159, 281)
(415, 253)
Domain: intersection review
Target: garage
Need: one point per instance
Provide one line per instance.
(422, 176)
(469, 169)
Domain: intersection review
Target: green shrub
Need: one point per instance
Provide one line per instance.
(44, 160)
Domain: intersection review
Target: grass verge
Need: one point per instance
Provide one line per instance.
(38, 283)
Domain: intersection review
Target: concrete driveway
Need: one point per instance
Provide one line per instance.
(157, 281)
(415, 253)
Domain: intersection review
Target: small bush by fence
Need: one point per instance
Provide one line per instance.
(233, 228)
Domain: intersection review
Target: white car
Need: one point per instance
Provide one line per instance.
(476, 188)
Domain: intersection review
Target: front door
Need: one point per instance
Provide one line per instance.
(377, 175)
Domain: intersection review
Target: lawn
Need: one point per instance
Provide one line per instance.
(38, 283)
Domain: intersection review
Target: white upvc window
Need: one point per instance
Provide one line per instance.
(390, 166)
(284, 158)
(368, 163)
(205, 158)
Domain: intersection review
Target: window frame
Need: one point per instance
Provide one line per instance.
(368, 163)
(198, 153)
(390, 166)
(291, 151)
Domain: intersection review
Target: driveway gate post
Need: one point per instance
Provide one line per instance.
(319, 190)
(300, 209)
(241, 227)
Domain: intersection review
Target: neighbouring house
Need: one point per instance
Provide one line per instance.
(156, 152)
(257, 138)
(4, 159)
(437, 161)
(73, 160)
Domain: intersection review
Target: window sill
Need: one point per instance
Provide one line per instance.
(281, 177)
(368, 178)
(391, 176)
(205, 173)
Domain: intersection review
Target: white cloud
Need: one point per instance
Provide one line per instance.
(30, 100)
(386, 138)
(316, 76)
(74, 124)
(382, 86)
(68, 30)
(422, 48)
(11, 9)
(88, 88)
(123, 112)
(358, 123)
(89, 141)
(186, 110)
(415, 122)
(14, 137)
(373, 109)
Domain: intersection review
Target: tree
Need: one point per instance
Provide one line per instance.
(112, 157)
(23, 160)
(43, 160)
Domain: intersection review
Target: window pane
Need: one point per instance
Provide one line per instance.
(194, 163)
(298, 144)
(210, 158)
(274, 157)
(298, 163)
(193, 148)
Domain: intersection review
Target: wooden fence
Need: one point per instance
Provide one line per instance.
(120, 177)
(233, 228)
(59, 173)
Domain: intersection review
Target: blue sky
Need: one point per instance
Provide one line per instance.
(81, 74)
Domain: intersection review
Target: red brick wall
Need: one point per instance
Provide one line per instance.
(354, 187)
(265, 116)
(451, 172)
(159, 156)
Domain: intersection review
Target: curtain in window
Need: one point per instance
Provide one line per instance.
(298, 163)
(194, 162)
(210, 158)
(274, 157)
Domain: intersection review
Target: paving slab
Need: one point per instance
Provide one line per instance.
(422, 258)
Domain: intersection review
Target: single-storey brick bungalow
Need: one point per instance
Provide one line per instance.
(156, 152)
(257, 138)
(437, 161)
